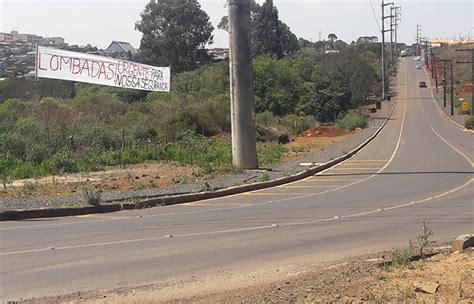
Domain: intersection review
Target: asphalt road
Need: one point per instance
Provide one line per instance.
(419, 168)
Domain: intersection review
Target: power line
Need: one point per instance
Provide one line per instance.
(375, 15)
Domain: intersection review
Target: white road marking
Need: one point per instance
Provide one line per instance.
(401, 205)
(312, 186)
(350, 168)
(270, 193)
(256, 204)
(332, 180)
(368, 160)
(453, 147)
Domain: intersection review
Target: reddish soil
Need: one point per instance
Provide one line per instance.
(315, 139)
(324, 132)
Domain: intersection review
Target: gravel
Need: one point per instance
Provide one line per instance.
(221, 181)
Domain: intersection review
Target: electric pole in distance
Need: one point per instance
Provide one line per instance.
(244, 146)
(472, 74)
(383, 46)
(418, 36)
(392, 25)
(398, 19)
(451, 68)
(445, 80)
(433, 69)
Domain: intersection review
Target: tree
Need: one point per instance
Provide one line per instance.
(340, 44)
(332, 37)
(175, 33)
(270, 36)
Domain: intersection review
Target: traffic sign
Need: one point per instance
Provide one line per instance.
(465, 106)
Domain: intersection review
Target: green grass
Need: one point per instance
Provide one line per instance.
(93, 197)
(265, 177)
(270, 153)
(29, 188)
(399, 257)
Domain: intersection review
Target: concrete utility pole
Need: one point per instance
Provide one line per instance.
(445, 80)
(244, 146)
(434, 70)
(432, 63)
(418, 36)
(472, 74)
(384, 95)
(452, 88)
(398, 19)
(424, 44)
(392, 23)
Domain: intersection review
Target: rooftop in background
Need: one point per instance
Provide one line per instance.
(14, 36)
(439, 42)
(121, 48)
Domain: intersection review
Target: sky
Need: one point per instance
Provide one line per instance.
(101, 21)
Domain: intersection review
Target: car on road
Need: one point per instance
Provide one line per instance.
(422, 84)
(418, 66)
(417, 58)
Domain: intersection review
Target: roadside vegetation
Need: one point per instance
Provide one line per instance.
(54, 127)
(462, 77)
(101, 126)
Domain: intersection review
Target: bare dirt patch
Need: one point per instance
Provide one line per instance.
(132, 177)
(315, 139)
(153, 174)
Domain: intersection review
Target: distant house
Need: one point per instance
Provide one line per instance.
(30, 38)
(6, 37)
(218, 54)
(121, 49)
(55, 41)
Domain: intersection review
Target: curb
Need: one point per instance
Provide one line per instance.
(435, 100)
(15, 215)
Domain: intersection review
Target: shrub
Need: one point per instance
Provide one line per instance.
(351, 121)
(23, 170)
(62, 162)
(195, 149)
(469, 123)
(265, 178)
(270, 153)
(93, 197)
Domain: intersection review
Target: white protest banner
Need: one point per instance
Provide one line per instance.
(66, 65)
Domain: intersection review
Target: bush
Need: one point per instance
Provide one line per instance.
(351, 121)
(93, 197)
(62, 162)
(270, 153)
(24, 170)
(401, 256)
(469, 123)
(290, 94)
(195, 149)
